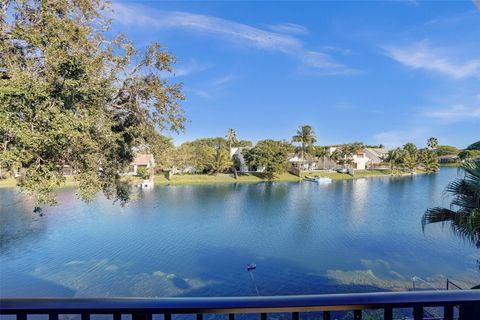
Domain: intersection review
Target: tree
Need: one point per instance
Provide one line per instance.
(432, 142)
(347, 151)
(474, 146)
(427, 158)
(469, 154)
(184, 156)
(244, 143)
(306, 137)
(409, 159)
(271, 155)
(446, 150)
(220, 161)
(162, 149)
(394, 158)
(71, 96)
(142, 172)
(464, 212)
(231, 138)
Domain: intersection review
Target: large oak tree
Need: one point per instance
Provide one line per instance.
(69, 95)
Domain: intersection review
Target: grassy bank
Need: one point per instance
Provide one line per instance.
(228, 178)
(455, 164)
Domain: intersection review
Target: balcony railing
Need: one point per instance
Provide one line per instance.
(467, 301)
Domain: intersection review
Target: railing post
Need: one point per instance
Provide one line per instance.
(166, 316)
(357, 314)
(417, 312)
(116, 316)
(21, 316)
(326, 315)
(141, 316)
(231, 316)
(199, 316)
(263, 316)
(448, 312)
(295, 316)
(86, 316)
(388, 313)
(53, 316)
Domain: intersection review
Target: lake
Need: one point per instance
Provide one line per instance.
(348, 236)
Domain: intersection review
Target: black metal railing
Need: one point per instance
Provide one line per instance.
(467, 301)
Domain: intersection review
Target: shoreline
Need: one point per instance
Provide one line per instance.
(201, 179)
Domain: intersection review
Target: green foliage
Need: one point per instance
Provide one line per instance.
(446, 150)
(208, 155)
(469, 154)
(345, 152)
(428, 160)
(162, 149)
(321, 152)
(236, 162)
(306, 137)
(463, 215)
(70, 96)
(432, 142)
(231, 138)
(270, 155)
(409, 158)
(474, 146)
(244, 143)
(142, 172)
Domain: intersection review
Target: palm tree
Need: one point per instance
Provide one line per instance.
(306, 136)
(394, 158)
(428, 159)
(231, 138)
(220, 161)
(464, 212)
(432, 142)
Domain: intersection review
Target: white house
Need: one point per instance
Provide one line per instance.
(237, 152)
(360, 158)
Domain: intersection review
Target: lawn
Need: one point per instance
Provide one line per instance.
(228, 178)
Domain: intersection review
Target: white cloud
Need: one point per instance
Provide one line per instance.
(455, 113)
(212, 87)
(186, 68)
(477, 3)
(423, 56)
(290, 28)
(132, 15)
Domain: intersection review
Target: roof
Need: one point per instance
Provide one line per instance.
(448, 156)
(378, 151)
(142, 159)
(297, 157)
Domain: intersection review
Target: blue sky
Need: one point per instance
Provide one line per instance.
(379, 72)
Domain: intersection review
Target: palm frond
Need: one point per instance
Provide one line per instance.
(437, 214)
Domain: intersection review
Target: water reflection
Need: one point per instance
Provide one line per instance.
(361, 235)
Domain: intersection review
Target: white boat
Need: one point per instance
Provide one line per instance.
(324, 180)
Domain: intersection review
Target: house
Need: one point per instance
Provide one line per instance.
(450, 158)
(145, 160)
(377, 156)
(306, 162)
(237, 152)
(309, 162)
(360, 158)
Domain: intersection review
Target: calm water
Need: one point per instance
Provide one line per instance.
(362, 235)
